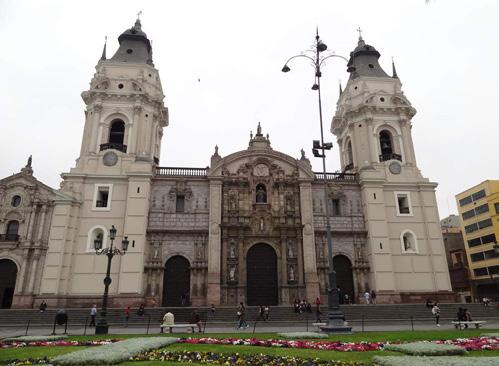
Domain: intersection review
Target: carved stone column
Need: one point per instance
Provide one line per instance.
(30, 222)
(214, 242)
(42, 223)
(34, 266)
(309, 256)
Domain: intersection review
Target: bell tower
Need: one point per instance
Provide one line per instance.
(111, 182)
(373, 124)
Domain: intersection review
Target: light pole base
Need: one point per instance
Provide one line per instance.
(336, 323)
(102, 328)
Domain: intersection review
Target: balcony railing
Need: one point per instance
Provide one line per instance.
(113, 145)
(9, 237)
(181, 172)
(344, 177)
(386, 157)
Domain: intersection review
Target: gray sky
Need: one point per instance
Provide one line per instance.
(445, 51)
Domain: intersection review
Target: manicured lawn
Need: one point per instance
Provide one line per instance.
(363, 357)
(35, 352)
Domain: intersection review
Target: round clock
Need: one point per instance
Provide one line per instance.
(395, 168)
(110, 158)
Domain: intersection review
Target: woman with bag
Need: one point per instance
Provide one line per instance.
(240, 316)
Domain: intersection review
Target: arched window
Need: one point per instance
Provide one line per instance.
(385, 142)
(117, 132)
(261, 193)
(408, 242)
(12, 230)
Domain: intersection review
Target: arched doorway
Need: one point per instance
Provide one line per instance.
(261, 280)
(8, 274)
(176, 282)
(344, 276)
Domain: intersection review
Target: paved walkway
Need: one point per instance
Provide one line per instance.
(260, 328)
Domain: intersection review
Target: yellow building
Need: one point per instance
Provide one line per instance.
(479, 212)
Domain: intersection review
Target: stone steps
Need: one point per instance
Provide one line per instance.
(228, 314)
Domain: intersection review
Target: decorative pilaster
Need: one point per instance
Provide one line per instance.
(214, 242)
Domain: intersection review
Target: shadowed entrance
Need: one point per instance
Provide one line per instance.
(8, 274)
(176, 282)
(261, 279)
(344, 276)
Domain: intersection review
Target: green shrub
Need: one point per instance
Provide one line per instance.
(434, 361)
(47, 338)
(426, 349)
(112, 353)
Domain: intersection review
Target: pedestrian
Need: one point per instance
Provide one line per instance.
(367, 296)
(168, 319)
(486, 302)
(347, 299)
(241, 321)
(127, 315)
(141, 310)
(467, 315)
(297, 305)
(318, 310)
(266, 312)
(260, 313)
(93, 313)
(213, 309)
(196, 319)
(340, 297)
(435, 310)
(43, 306)
(429, 303)
(373, 297)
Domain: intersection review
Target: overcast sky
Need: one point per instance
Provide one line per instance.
(446, 53)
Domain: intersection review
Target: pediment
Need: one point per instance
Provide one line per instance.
(261, 163)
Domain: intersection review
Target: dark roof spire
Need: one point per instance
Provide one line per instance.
(394, 70)
(134, 45)
(364, 60)
(103, 57)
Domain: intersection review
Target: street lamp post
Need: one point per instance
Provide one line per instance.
(102, 326)
(336, 318)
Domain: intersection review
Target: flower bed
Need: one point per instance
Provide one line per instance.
(303, 335)
(426, 349)
(322, 345)
(35, 338)
(235, 359)
(113, 353)
(60, 343)
(434, 361)
(474, 344)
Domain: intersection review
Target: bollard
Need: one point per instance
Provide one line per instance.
(66, 328)
(27, 327)
(412, 323)
(85, 329)
(306, 317)
(254, 326)
(148, 323)
(53, 330)
(362, 323)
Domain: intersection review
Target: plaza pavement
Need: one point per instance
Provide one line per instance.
(261, 327)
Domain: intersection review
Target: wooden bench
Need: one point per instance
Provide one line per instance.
(461, 324)
(171, 326)
(319, 324)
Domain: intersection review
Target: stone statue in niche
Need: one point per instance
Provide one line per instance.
(261, 195)
(291, 274)
(289, 203)
(232, 249)
(262, 224)
(232, 273)
(290, 250)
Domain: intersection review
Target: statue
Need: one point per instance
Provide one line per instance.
(259, 130)
(30, 160)
(232, 273)
(290, 250)
(303, 154)
(291, 273)
(232, 249)
(262, 227)
(261, 195)
(216, 149)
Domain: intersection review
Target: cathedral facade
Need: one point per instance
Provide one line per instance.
(251, 227)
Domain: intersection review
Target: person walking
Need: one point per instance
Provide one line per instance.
(241, 321)
(318, 310)
(367, 297)
(127, 315)
(260, 313)
(141, 310)
(43, 306)
(435, 310)
(93, 313)
(373, 297)
(266, 313)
